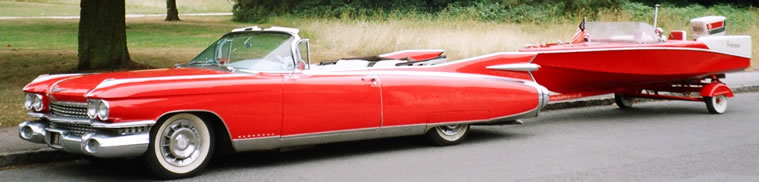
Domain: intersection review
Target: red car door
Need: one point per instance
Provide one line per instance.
(315, 103)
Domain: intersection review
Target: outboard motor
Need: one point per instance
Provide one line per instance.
(711, 31)
(708, 25)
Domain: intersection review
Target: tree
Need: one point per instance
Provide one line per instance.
(102, 35)
(172, 14)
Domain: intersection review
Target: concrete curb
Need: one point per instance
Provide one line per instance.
(44, 155)
(47, 155)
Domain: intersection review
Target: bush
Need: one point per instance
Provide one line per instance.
(517, 11)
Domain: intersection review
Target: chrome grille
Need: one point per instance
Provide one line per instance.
(76, 110)
(75, 129)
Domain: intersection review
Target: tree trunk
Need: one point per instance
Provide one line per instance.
(172, 14)
(102, 35)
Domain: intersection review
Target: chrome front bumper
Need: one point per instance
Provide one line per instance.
(98, 144)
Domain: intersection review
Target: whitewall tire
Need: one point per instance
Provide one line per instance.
(180, 146)
(716, 104)
(448, 134)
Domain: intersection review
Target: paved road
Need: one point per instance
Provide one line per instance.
(660, 141)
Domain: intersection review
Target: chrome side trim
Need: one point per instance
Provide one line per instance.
(253, 144)
(515, 67)
(98, 124)
(267, 143)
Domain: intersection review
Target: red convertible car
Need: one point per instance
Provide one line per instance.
(255, 89)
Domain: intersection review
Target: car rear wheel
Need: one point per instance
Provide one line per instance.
(623, 101)
(716, 104)
(180, 146)
(448, 135)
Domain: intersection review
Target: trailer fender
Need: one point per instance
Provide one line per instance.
(714, 89)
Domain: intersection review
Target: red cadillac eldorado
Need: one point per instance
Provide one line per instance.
(255, 89)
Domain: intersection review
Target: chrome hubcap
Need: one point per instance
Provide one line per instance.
(180, 143)
(451, 132)
(451, 129)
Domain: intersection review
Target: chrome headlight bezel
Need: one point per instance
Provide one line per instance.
(92, 108)
(38, 103)
(28, 100)
(103, 110)
(98, 109)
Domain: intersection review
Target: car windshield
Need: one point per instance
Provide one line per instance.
(637, 32)
(258, 51)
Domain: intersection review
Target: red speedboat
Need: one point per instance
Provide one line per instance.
(630, 59)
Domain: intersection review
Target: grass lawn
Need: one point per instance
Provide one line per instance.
(29, 48)
(71, 7)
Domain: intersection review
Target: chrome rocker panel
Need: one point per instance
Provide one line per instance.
(108, 145)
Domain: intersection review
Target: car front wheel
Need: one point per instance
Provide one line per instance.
(448, 134)
(180, 146)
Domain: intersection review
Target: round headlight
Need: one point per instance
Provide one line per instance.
(92, 108)
(28, 100)
(37, 103)
(103, 110)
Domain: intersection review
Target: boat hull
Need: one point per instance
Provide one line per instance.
(610, 69)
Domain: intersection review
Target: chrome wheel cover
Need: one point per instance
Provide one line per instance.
(182, 143)
(451, 132)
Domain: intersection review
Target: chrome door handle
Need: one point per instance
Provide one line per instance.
(372, 79)
(369, 79)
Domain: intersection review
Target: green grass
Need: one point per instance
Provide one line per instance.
(71, 7)
(31, 48)
(141, 33)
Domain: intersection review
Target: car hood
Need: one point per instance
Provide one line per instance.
(76, 88)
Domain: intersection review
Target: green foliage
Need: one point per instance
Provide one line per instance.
(516, 11)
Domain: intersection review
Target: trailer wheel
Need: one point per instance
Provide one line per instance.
(623, 101)
(716, 104)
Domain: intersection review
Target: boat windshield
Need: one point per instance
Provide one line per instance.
(636, 32)
(257, 51)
